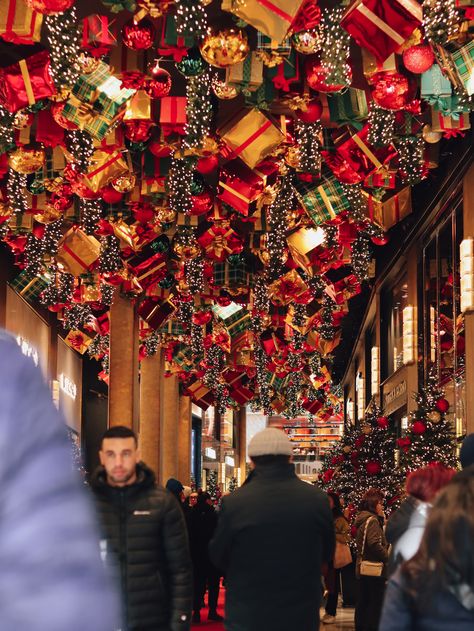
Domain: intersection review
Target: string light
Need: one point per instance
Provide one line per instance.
(152, 344)
(99, 347)
(411, 159)
(107, 293)
(76, 316)
(440, 20)
(357, 201)
(91, 212)
(80, 145)
(198, 110)
(52, 235)
(191, 18)
(335, 51)
(34, 255)
(277, 224)
(309, 146)
(361, 257)
(7, 133)
(381, 124)
(110, 259)
(326, 329)
(179, 182)
(16, 187)
(194, 274)
(63, 34)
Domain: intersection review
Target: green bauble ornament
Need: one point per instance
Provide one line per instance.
(192, 65)
(197, 184)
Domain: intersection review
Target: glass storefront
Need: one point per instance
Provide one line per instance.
(395, 300)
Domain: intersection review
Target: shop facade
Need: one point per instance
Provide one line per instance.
(414, 324)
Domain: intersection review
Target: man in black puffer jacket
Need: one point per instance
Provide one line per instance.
(144, 538)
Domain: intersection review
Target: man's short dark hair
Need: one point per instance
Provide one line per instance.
(120, 431)
(268, 460)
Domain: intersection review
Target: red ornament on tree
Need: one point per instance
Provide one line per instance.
(382, 422)
(312, 114)
(391, 90)
(316, 77)
(418, 59)
(328, 475)
(207, 164)
(373, 467)
(138, 35)
(419, 428)
(110, 195)
(442, 405)
(49, 7)
(383, 240)
(160, 84)
(160, 150)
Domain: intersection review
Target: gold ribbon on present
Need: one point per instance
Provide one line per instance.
(235, 193)
(25, 74)
(139, 107)
(366, 150)
(383, 26)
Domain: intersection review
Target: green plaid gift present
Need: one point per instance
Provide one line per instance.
(29, 286)
(183, 357)
(238, 322)
(463, 60)
(322, 203)
(350, 107)
(173, 328)
(247, 74)
(268, 45)
(231, 276)
(96, 101)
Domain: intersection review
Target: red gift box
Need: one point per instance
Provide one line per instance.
(240, 186)
(272, 342)
(18, 23)
(173, 114)
(312, 405)
(241, 394)
(26, 82)
(156, 313)
(148, 270)
(200, 394)
(359, 156)
(219, 242)
(346, 288)
(381, 26)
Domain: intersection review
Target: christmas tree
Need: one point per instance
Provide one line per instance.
(213, 487)
(337, 473)
(430, 436)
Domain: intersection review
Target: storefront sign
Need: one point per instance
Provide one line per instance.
(395, 398)
(67, 386)
(27, 349)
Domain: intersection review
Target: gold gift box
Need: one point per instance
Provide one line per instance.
(271, 18)
(139, 107)
(104, 168)
(302, 243)
(77, 251)
(389, 212)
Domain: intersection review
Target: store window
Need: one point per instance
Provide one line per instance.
(395, 300)
(371, 367)
(443, 323)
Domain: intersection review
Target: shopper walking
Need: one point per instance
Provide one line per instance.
(144, 538)
(333, 574)
(272, 536)
(372, 547)
(434, 591)
(422, 486)
(202, 525)
(51, 574)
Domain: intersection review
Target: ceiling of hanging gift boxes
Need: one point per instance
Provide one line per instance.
(230, 167)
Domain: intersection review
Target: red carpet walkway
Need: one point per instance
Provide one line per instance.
(208, 625)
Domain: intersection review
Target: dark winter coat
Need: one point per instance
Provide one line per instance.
(202, 525)
(443, 611)
(272, 536)
(51, 574)
(376, 546)
(145, 538)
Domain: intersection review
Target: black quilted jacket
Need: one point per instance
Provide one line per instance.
(146, 541)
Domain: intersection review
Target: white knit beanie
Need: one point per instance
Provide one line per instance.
(270, 442)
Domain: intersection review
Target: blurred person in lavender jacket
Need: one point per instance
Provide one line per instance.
(51, 574)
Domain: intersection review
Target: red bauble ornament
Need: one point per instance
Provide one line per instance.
(207, 164)
(419, 428)
(382, 422)
(373, 467)
(201, 203)
(110, 195)
(138, 35)
(442, 405)
(316, 77)
(391, 90)
(201, 317)
(159, 85)
(49, 7)
(418, 59)
(312, 114)
(328, 475)
(380, 240)
(160, 150)
(137, 130)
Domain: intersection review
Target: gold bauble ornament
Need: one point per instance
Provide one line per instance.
(26, 161)
(124, 183)
(48, 215)
(306, 42)
(22, 119)
(366, 429)
(224, 91)
(165, 214)
(434, 416)
(225, 47)
(430, 136)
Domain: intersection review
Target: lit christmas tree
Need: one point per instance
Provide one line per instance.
(430, 436)
(338, 473)
(212, 486)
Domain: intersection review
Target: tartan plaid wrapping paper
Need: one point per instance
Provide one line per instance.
(349, 107)
(265, 43)
(238, 323)
(173, 328)
(96, 100)
(184, 358)
(324, 202)
(29, 286)
(463, 60)
(247, 74)
(229, 275)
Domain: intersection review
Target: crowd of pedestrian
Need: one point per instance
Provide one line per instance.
(147, 555)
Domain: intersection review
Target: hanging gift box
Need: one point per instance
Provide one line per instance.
(78, 251)
(323, 202)
(272, 17)
(284, 73)
(252, 137)
(312, 314)
(139, 107)
(350, 107)
(319, 379)
(346, 288)
(156, 314)
(220, 241)
(200, 394)
(247, 74)
(105, 167)
(173, 329)
(171, 38)
(97, 101)
(372, 66)
(243, 341)
(21, 223)
(382, 26)
(272, 47)
(311, 405)
(289, 288)
(96, 34)
(183, 357)
(435, 85)
(390, 210)
(173, 114)
(463, 60)
(303, 244)
(18, 23)
(240, 186)
(383, 179)
(29, 286)
(359, 155)
(26, 82)
(238, 323)
(148, 269)
(78, 341)
(231, 276)
(450, 125)
(133, 235)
